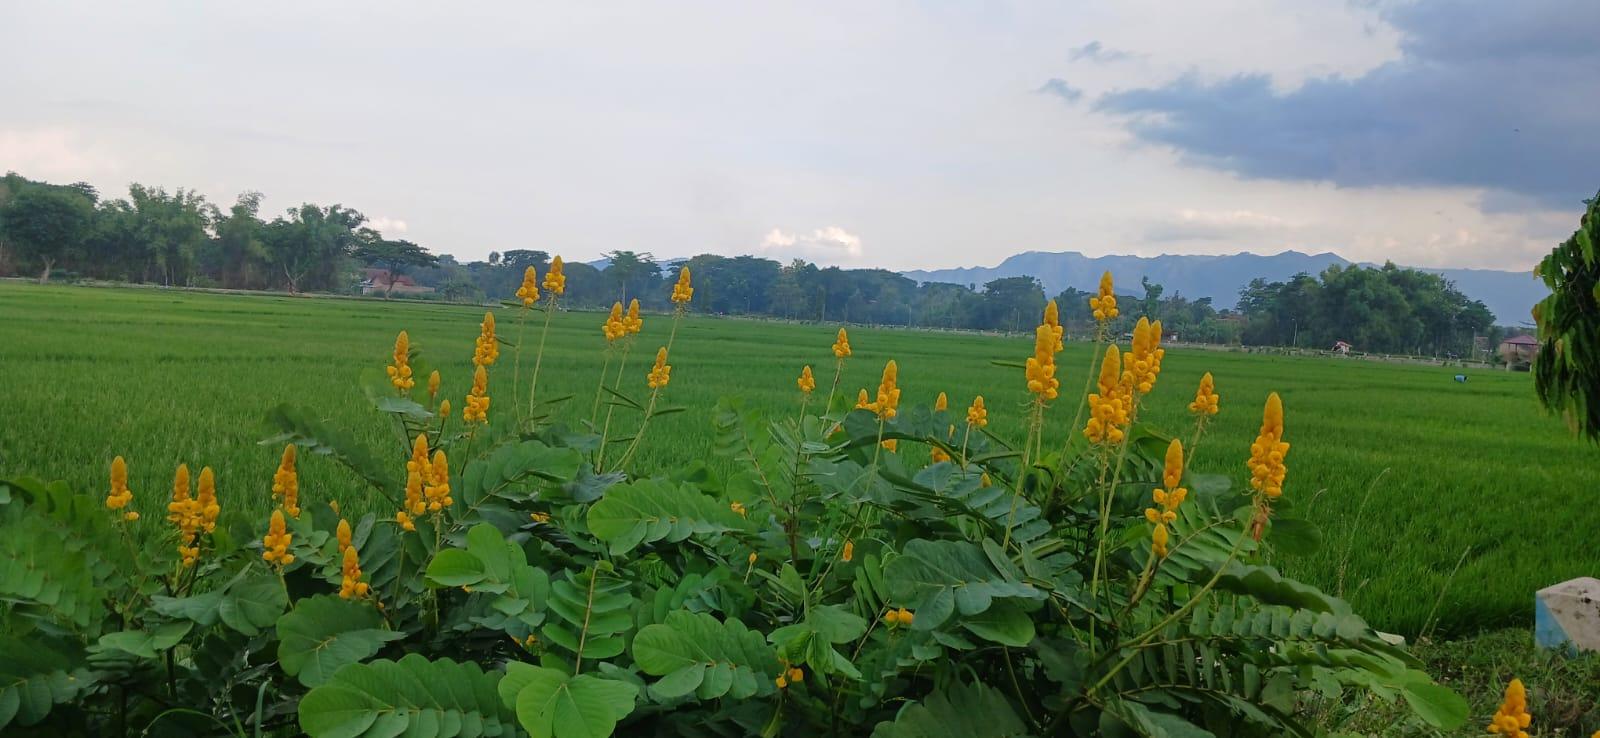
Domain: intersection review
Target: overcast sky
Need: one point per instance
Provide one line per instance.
(894, 134)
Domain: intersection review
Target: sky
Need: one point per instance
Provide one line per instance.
(884, 134)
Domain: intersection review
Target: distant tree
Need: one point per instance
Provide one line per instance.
(630, 270)
(236, 252)
(1012, 303)
(174, 226)
(47, 225)
(518, 260)
(308, 244)
(1152, 298)
(396, 257)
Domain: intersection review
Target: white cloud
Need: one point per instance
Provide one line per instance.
(54, 154)
(387, 226)
(831, 244)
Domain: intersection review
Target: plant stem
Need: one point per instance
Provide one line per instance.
(538, 359)
(516, 357)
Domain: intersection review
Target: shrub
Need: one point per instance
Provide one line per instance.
(850, 569)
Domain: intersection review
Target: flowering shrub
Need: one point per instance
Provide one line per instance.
(858, 566)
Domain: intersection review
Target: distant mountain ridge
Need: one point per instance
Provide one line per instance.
(1509, 295)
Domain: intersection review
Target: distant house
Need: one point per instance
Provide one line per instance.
(1518, 350)
(379, 281)
(1341, 348)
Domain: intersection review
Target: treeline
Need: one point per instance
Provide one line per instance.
(178, 238)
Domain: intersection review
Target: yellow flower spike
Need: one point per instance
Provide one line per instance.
(781, 681)
(1266, 464)
(486, 348)
(400, 371)
(888, 392)
(1512, 719)
(849, 551)
(351, 587)
(841, 345)
(1158, 541)
(862, 403)
(615, 326)
(1205, 397)
(1041, 367)
(985, 481)
(433, 384)
(275, 544)
(1104, 305)
(796, 675)
(1052, 318)
(528, 293)
(555, 280)
(632, 321)
(437, 490)
(444, 408)
(1107, 411)
(286, 483)
(1143, 362)
(661, 373)
(418, 470)
(342, 534)
(904, 616)
(977, 414)
(752, 558)
(941, 403)
(206, 500)
(806, 382)
(334, 506)
(737, 507)
(120, 495)
(1172, 471)
(682, 291)
(477, 407)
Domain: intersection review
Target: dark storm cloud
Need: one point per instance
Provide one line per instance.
(1502, 96)
(1059, 87)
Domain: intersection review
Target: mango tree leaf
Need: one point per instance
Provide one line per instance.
(323, 633)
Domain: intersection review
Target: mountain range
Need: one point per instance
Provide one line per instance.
(1509, 295)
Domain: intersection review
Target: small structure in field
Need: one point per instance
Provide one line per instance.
(379, 281)
(1341, 348)
(1567, 615)
(1518, 350)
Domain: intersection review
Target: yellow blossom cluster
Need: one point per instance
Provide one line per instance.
(738, 508)
(848, 552)
(632, 321)
(351, 587)
(528, 293)
(615, 326)
(1168, 497)
(899, 616)
(555, 280)
(275, 544)
(888, 402)
(342, 535)
(417, 472)
(1205, 397)
(444, 408)
(486, 348)
(1041, 367)
(1104, 305)
(206, 498)
(1107, 411)
(286, 483)
(682, 291)
(1267, 454)
(862, 401)
(400, 370)
(1143, 363)
(433, 384)
(437, 490)
(806, 382)
(477, 407)
(120, 495)
(936, 454)
(1512, 719)
(977, 414)
(791, 675)
(1052, 318)
(661, 373)
(841, 345)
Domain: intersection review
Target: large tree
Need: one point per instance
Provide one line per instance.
(308, 243)
(396, 257)
(47, 225)
(630, 271)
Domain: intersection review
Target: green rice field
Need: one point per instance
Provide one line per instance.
(1435, 498)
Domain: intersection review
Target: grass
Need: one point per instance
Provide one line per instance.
(1408, 473)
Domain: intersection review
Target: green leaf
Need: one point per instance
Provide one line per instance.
(695, 652)
(454, 567)
(412, 696)
(1294, 536)
(962, 710)
(652, 510)
(323, 633)
(253, 604)
(938, 578)
(1438, 705)
(147, 644)
(1004, 623)
(553, 704)
(200, 608)
(1160, 724)
(36, 675)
